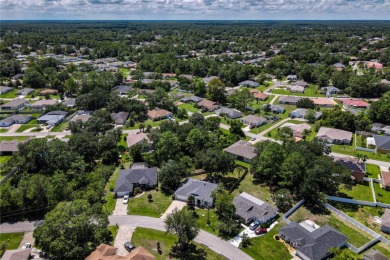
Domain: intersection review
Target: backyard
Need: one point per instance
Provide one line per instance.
(382, 195)
(11, 239)
(372, 170)
(154, 208)
(148, 238)
(189, 107)
(358, 192)
(350, 150)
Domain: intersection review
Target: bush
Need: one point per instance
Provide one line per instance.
(150, 197)
(137, 191)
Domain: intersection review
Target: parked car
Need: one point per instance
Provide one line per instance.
(260, 231)
(254, 225)
(129, 246)
(27, 245)
(253, 139)
(126, 199)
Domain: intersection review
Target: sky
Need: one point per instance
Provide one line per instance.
(194, 9)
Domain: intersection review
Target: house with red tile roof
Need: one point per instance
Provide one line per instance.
(157, 114)
(375, 65)
(323, 102)
(355, 103)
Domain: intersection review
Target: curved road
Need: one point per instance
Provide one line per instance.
(216, 244)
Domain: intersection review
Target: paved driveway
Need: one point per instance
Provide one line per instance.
(120, 207)
(27, 238)
(13, 128)
(175, 204)
(124, 235)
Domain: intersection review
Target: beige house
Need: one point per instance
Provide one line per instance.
(334, 136)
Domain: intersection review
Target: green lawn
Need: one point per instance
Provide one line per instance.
(12, 239)
(114, 231)
(125, 72)
(59, 128)
(202, 216)
(4, 159)
(372, 170)
(266, 247)
(28, 125)
(358, 192)
(349, 150)
(382, 195)
(189, 107)
(147, 122)
(11, 94)
(141, 206)
(148, 239)
(3, 130)
(10, 138)
(275, 131)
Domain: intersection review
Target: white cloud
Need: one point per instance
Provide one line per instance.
(194, 9)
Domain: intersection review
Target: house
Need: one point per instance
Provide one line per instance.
(14, 104)
(357, 168)
(168, 75)
(297, 129)
(107, 252)
(382, 143)
(297, 89)
(137, 139)
(4, 90)
(249, 83)
(314, 245)
(201, 190)
(137, 176)
(300, 83)
(259, 95)
(354, 103)
(120, 118)
(17, 254)
(69, 102)
(80, 116)
(377, 128)
(375, 65)
(42, 104)
(385, 225)
(9, 147)
(274, 108)
(289, 100)
(242, 150)
(25, 91)
(52, 118)
(229, 112)
(385, 177)
(48, 91)
(186, 76)
(334, 136)
(386, 130)
(208, 105)
(122, 90)
(157, 114)
(301, 113)
(208, 79)
(373, 254)
(253, 120)
(339, 66)
(250, 208)
(147, 81)
(194, 99)
(323, 102)
(292, 78)
(270, 76)
(329, 90)
(15, 119)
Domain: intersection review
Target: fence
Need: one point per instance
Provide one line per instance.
(359, 202)
(14, 170)
(291, 211)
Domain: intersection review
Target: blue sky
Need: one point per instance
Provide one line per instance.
(195, 9)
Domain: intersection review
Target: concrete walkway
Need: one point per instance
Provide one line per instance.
(174, 205)
(27, 238)
(120, 207)
(124, 235)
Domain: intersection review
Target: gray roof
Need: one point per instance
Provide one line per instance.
(251, 208)
(386, 218)
(316, 244)
(69, 102)
(329, 89)
(289, 99)
(25, 91)
(301, 112)
(120, 118)
(242, 148)
(231, 113)
(9, 146)
(382, 142)
(373, 254)
(352, 164)
(122, 89)
(300, 83)
(195, 99)
(44, 103)
(249, 83)
(15, 102)
(253, 119)
(4, 89)
(199, 189)
(275, 108)
(137, 174)
(82, 118)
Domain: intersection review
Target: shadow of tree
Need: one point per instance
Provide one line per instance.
(190, 253)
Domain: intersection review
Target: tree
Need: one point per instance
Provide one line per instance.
(310, 116)
(167, 147)
(212, 123)
(283, 200)
(197, 119)
(170, 176)
(191, 203)
(342, 254)
(267, 165)
(241, 98)
(100, 122)
(72, 230)
(216, 91)
(245, 240)
(150, 197)
(199, 88)
(284, 134)
(379, 111)
(183, 225)
(235, 128)
(85, 144)
(305, 103)
(225, 209)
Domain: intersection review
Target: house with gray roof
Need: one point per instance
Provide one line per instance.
(137, 176)
(274, 108)
(15, 119)
(120, 117)
(314, 245)
(249, 83)
(229, 112)
(208, 79)
(42, 104)
(334, 136)
(201, 190)
(329, 90)
(69, 102)
(301, 113)
(17, 254)
(377, 128)
(4, 90)
(242, 150)
(373, 254)
(300, 83)
(194, 99)
(14, 104)
(297, 89)
(52, 118)
(253, 120)
(250, 208)
(289, 100)
(292, 77)
(25, 91)
(122, 90)
(382, 143)
(9, 147)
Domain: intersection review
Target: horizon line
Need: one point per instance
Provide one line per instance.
(190, 20)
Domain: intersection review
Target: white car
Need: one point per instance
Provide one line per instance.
(27, 245)
(125, 199)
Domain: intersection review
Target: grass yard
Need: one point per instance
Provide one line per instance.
(10, 138)
(125, 72)
(266, 247)
(146, 123)
(4, 159)
(372, 170)
(114, 231)
(141, 205)
(275, 131)
(189, 107)
(3, 130)
(382, 195)
(356, 236)
(350, 150)
(11, 94)
(148, 239)
(59, 128)
(202, 216)
(358, 192)
(12, 239)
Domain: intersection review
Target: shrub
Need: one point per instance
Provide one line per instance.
(137, 191)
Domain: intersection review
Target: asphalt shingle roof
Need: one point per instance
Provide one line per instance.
(200, 189)
(242, 148)
(135, 175)
(250, 208)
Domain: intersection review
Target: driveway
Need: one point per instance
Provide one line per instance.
(120, 207)
(124, 235)
(27, 238)
(175, 204)
(13, 128)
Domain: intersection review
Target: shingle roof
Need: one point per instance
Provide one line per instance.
(335, 134)
(242, 148)
(352, 164)
(250, 208)
(386, 218)
(385, 178)
(17, 254)
(133, 139)
(120, 117)
(249, 83)
(200, 189)
(157, 113)
(231, 113)
(323, 101)
(9, 146)
(136, 174)
(373, 254)
(44, 103)
(289, 99)
(253, 119)
(15, 102)
(382, 142)
(195, 99)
